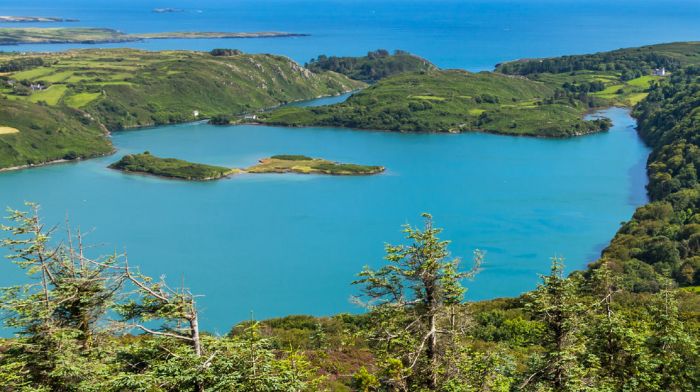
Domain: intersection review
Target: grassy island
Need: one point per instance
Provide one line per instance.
(307, 165)
(89, 35)
(146, 163)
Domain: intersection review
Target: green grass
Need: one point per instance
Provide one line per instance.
(81, 99)
(146, 163)
(305, 165)
(450, 101)
(51, 95)
(427, 97)
(163, 88)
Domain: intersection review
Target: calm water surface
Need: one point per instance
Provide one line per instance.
(285, 244)
(471, 34)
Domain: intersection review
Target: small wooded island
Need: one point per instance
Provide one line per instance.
(146, 163)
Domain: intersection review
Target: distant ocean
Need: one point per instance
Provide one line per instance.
(468, 34)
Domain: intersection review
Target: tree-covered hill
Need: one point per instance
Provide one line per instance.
(629, 63)
(663, 237)
(377, 65)
(452, 101)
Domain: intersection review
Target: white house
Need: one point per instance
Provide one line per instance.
(659, 71)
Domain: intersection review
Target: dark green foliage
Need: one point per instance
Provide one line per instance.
(221, 119)
(376, 65)
(663, 237)
(349, 168)
(225, 52)
(21, 64)
(629, 63)
(169, 167)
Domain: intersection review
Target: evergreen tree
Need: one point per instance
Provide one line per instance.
(409, 298)
(563, 365)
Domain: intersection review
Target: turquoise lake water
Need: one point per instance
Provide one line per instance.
(285, 244)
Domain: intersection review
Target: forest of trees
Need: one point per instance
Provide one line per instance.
(628, 62)
(663, 237)
(98, 324)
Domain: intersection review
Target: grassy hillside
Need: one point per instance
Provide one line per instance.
(45, 133)
(124, 88)
(378, 64)
(170, 167)
(452, 101)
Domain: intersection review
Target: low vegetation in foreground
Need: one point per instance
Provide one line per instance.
(307, 165)
(89, 35)
(69, 100)
(170, 167)
(377, 65)
(86, 324)
(146, 163)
